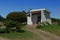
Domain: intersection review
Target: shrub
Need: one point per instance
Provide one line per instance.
(10, 25)
(55, 21)
(40, 26)
(43, 24)
(2, 30)
(13, 26)
(18, 27)
(7, 30)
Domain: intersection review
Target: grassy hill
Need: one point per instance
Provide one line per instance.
(52, 28)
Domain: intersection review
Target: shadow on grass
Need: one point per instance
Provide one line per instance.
(3, 31)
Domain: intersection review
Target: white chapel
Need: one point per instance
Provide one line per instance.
(38, 15)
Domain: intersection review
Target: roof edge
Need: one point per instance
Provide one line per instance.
(39, 10)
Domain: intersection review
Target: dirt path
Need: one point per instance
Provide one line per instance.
(49, 35)
(44, 35)
(1, 38)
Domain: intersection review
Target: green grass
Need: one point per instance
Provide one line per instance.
(16, 35)
(52, 28)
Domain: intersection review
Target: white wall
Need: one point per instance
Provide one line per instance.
(29, 21)
(43, 17)
(49, 20)
(47, 16)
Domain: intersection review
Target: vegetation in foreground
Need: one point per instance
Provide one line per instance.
(18, 35)
(51, 28)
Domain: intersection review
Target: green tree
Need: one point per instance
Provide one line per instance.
(17, 16)
(1, 18)
(12, 26)
(54, 20)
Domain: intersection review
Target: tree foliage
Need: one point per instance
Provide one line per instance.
(12, 26)
(54, 20)
(1, 18)
(17, 16)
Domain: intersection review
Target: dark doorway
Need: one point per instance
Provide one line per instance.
(39, 18)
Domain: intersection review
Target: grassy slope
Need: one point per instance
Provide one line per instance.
(52, 28)
(27, 35)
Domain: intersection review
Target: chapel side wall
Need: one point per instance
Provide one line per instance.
(43, 17)
(47, 15)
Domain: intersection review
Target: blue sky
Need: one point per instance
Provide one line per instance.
(7, 6)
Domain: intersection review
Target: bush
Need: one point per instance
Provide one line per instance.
(18, 28)
(55, 21)
(2, 30)
(40, 26)
(9, 25)
(43, 24)
(8, 28)
(13, 26)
